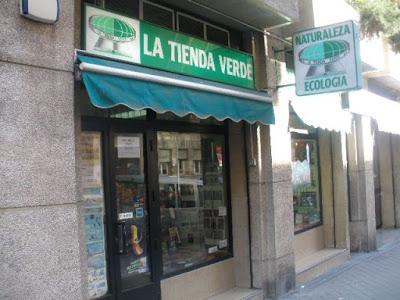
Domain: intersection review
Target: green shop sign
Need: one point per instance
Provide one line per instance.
(115, 36)
(327, 59)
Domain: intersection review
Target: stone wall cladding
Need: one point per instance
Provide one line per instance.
(37, 140)
(39, 253)
(28, 42)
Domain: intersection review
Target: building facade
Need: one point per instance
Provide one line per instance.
(156, 181)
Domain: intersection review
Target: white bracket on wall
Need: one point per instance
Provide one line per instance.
(45, 11)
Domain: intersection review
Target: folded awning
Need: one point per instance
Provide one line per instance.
(386, 112)
(323, 111)
(111, 83)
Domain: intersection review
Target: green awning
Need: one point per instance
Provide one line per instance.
(110, 83)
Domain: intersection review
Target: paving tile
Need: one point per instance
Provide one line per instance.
(374, 275)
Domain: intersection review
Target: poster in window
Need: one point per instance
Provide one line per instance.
(93, 212)
(95, 250)
(90, 165)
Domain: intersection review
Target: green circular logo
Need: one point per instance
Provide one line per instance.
(112, 28)
(324, 53)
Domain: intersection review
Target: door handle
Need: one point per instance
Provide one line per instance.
(122, 238)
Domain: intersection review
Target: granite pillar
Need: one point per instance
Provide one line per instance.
(395, 146)
(361, 186)
(383, 147)
(340, 190)
(270, 191)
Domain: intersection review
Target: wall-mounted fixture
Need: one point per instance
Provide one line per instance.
(46, 11)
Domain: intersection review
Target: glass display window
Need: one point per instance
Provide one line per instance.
(306, 183)
(91, 175)
(193, 202)
(163, 208)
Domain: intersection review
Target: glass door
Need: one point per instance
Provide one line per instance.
(132, 226)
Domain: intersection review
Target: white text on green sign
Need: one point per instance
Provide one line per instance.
(327, 59)
(135, 41)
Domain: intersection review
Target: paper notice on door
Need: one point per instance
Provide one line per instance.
(222, 244)
(222, 211)
(125, 216)
(128, 146)
(212, 250)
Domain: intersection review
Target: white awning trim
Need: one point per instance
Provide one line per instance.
(384, 111)
(323, 111)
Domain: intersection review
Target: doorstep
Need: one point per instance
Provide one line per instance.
(319, 263)
(240, 294)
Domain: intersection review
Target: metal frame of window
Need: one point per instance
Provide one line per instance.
(149, 127)
(159, 6)
(179, 13)
(312, 136)
(219, 28)
(175, 18)
(205, 24)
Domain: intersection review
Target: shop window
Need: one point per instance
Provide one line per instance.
(164, 161)
(190, 118)
(99, 3)
(193, 203)
(217, 35)
(235, 39)
(289, 59)
(93, 212)
(122, 112)
(119, 112)
(196, 166)
(190, 25)
(183, 161)
(128, 8)
(158, 14)
(306, 182)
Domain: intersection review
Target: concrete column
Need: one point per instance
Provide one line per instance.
(340, 190)
(39, 223)
(271, 199)
(396, 177)
(361, 180)
(383, 141)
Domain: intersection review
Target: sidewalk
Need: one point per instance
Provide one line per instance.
(374, 275)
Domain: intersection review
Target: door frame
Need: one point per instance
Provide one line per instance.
(151, 290)
(148, 128)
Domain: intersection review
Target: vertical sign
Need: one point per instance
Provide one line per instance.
(327, 59)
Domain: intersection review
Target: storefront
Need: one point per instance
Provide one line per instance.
(155, 156)
(376, 116)
(318, 126)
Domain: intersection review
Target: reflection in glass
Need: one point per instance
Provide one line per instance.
(131, 208)
(306, 185)
(194, 224)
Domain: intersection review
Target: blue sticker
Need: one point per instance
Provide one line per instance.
(139, 212)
